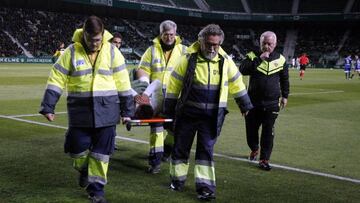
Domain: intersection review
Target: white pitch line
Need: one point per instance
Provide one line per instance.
(33, 122)
(326, 92)
(215, 154)
(37, 114)
(132, 140)
(293, 169)
(63, 127)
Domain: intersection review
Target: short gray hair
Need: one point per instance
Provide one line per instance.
(268, 34)
(211, 29)
(167, 25)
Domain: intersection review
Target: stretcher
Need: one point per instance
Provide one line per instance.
(145, 122)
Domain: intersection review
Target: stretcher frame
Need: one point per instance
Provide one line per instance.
(145, 122)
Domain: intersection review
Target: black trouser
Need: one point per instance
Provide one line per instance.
(264, 117)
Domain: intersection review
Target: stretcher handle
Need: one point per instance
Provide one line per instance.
(151, 120)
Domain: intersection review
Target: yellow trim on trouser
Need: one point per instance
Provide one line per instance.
(204, 172)
(178, 170)
(97, 168)
(157, 141)
(169, 139)
(81, 162)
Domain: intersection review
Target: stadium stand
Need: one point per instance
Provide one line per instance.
(315, 46)
(274, 6)
(226, 5)
(36, 31)
(317, 6)
(7, 47)
(352, 44)
(158, 2)
(186, 4)
(356, 7)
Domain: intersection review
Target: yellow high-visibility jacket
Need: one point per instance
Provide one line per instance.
(154, 64)
(195, 81)
(98, 94)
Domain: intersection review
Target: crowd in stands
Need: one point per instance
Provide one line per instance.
(7, 47)
(324, 42)
(41, 32)
(352, 45)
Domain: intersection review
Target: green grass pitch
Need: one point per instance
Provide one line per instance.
(319, 131)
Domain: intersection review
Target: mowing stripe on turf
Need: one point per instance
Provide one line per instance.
(326, 92)
(215, 154)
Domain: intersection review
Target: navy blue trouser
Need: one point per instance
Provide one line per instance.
(91, 149)
(185, 130)
(264, 117)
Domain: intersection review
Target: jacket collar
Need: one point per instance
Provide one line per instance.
(157, 39)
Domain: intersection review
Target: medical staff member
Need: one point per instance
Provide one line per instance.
(93, 72)
(196, 97)
(156, 64)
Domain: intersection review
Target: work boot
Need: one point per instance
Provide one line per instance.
(83, 178)
(154, 169)
(206, 195)
(97, 199)
(176, 186)
(253, 155)
(264, 165)
(165, 158)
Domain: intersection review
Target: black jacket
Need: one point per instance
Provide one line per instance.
(265, 87)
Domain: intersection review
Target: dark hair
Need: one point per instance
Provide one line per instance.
(93, 25)
(144, 111)
(117, 35)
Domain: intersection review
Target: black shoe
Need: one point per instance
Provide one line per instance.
(206, 195)
(253, 155)
(83, 179)
(97, 199)
(165, 158)
(154, 169)
(264, 165)
(175, 187)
